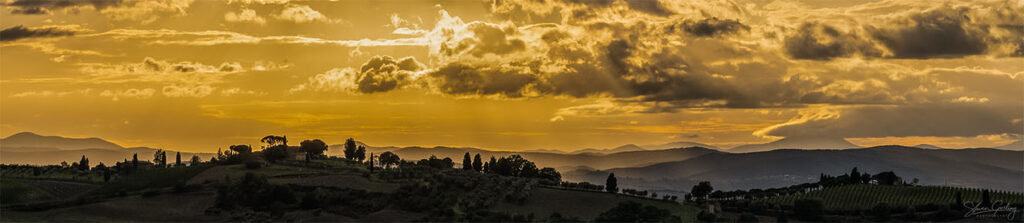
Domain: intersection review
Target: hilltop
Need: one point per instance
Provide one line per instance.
(988, 168)
(797, 142)
(28, 140)
(561, 161)
(31, 148)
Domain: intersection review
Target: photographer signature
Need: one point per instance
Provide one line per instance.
(997, 209)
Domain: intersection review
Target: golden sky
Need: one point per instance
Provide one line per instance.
(556, 74)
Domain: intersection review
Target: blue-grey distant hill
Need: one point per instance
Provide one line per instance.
(31, 148)
(978, 167)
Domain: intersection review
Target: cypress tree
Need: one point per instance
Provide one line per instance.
(477, 163)
(611, 185)
(467, 164)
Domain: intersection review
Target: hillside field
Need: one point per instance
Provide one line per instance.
(587, 204)
(863, 197)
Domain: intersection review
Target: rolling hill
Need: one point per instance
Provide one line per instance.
(797, 142)
(1016, 145)
(680, 144)
(984, 168)
(31, 148)
(29, 140)
(623, 148)
(562, 162)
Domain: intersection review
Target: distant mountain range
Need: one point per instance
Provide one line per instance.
(634, 147)
(985, 168)
(561, 161)
(927, 146)
(28, 139)
(665, 167)
(1016, 146)
(31, 148)
(797, 142)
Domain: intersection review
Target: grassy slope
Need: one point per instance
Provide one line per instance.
(340, 176)
(155, 178)
(17, 191)
(861, 197)
(63, 175)
(187, 207)
(585, 204)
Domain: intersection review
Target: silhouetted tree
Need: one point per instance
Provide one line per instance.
(855, 176)
(273, 140)
(434, 162)
(514, 165)
(371, 162)
(477, 163)
(240, 149)
(83, 164)
(350, 149)
(467, 163)
(701, 190)
(195, 160)
(611, 185)
(548, 173)
(177, 160)
(104, 170)
(253, 191)
(160, 158)
(388, 159)
(135, 162)
(275, 153)
(361, 153)
(106, 175)
(313, 148)
(887, 178)
(491, 164)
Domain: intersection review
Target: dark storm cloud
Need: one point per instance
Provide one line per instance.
(938, 33)
(44, 6)
(942, 120)
(488, 39)
(653, 7)
(816, 41)
(462, 79)
(711, 27)
(21, 32)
